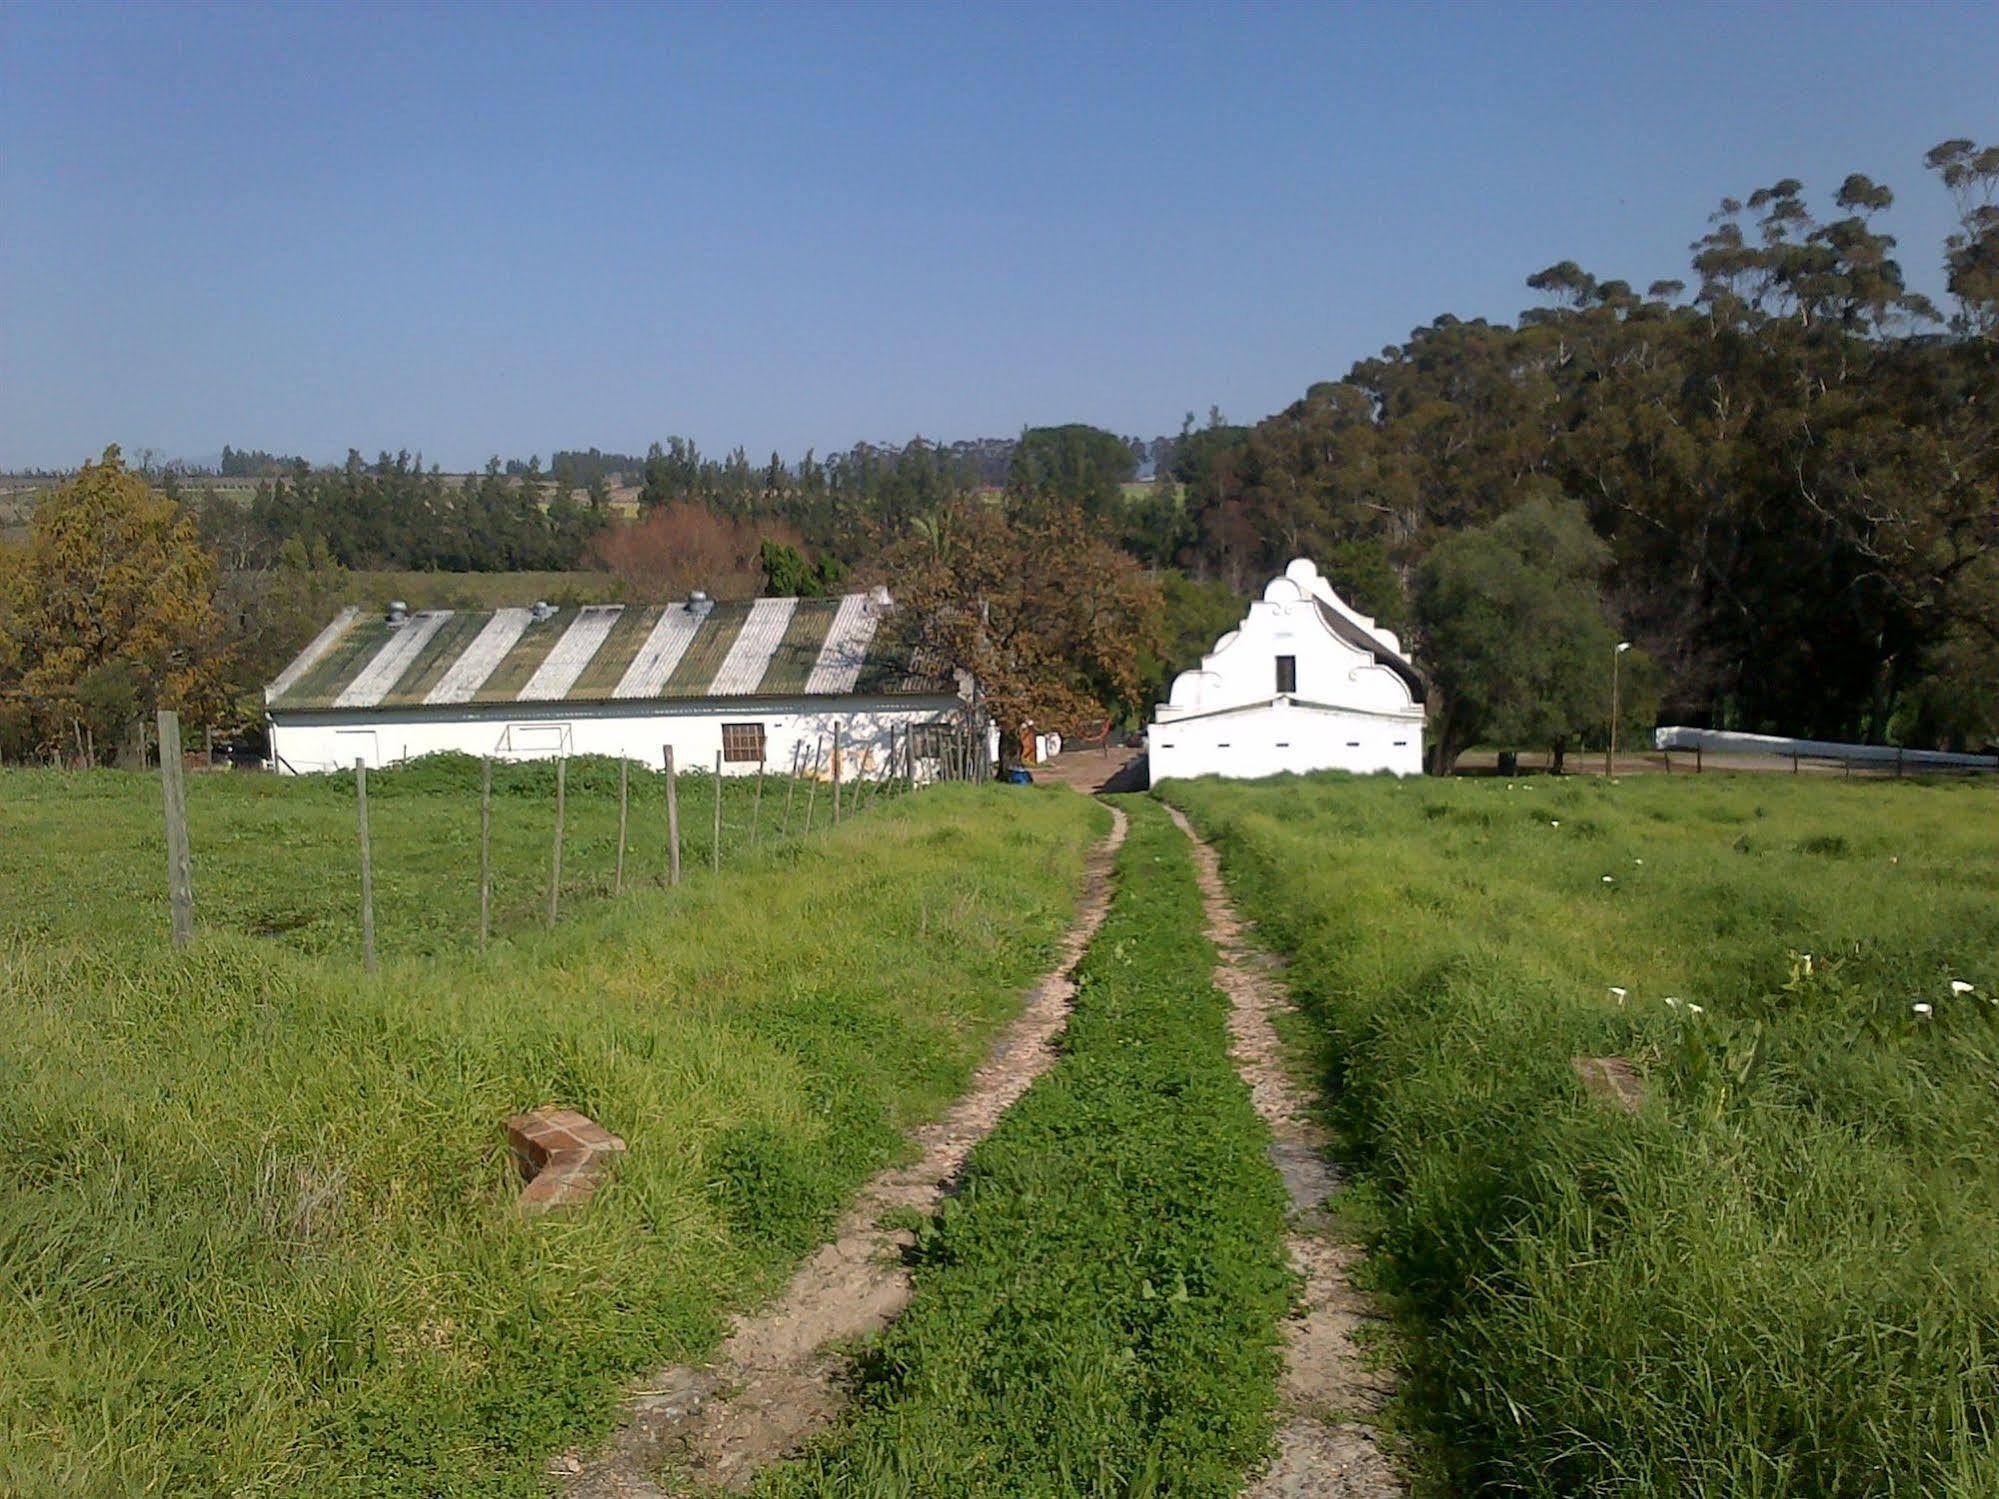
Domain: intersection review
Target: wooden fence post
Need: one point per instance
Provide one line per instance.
(485, 849)
(812, 786)
(836, 775)
(909, 757)
(756, 806)
(715, 854)
(624, 792)
(791, 786)
(555, 857)
(1697, 760)
(864, 793)
(672, 819)
(180, 859)
(367, 867)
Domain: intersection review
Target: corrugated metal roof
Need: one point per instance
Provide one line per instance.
(600, 653)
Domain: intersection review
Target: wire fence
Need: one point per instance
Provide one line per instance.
(552, 833)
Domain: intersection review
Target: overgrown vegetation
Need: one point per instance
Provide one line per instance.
(1781, 1275)
(255, 1224)
(1096, 1312)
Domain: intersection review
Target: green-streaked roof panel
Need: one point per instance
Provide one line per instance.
(706, 651)
(792, 662)
(614, 657)
(591, 666)
(518, 665)
(434, 660)
(340, 665)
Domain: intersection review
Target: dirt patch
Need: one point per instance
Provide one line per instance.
(1120, 768)
(1613, 1080)
(1327, 1447)
(777, 1377)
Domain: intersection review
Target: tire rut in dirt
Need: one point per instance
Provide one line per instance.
(778, 1376)
(1327, 1447)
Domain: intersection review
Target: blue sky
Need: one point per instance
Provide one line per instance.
(475, 230)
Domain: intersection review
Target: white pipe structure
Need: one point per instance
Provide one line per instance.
(1727, 742)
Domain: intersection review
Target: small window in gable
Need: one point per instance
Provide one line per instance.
(1287, 673)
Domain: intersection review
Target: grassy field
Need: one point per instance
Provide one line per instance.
(256, 1229)
(1780, 1275)
(83, 854)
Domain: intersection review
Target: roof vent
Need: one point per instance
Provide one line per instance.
(879, 599)
(542, 610)
(699, 602)
(398, 612)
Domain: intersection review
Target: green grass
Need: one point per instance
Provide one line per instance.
(256, 1233)
(1096, 1312)
(278, 856)
(1782, 1275)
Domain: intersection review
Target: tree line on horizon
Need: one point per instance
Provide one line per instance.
(1778, 480)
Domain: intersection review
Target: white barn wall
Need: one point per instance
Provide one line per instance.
(305, 743)
(1280, 738)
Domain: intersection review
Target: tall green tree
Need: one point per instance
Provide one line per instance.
(1515, 635)
(1076, 466)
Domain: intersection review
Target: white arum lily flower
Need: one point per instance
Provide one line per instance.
(1673, 1000)
(1959, 986)
(1808, 961)
(1608, 880)
(1554, 822)
(1922, 1009)
(1637, 861)
(1619, 991)
(1695, 1010)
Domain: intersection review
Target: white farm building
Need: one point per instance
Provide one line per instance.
(759, 683)
(1305, 683)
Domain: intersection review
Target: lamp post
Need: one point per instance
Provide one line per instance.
(1610, 756)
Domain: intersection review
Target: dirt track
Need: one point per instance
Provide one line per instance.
(1327, 1447)
(775, 1379)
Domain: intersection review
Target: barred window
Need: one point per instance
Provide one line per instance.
(743, 742)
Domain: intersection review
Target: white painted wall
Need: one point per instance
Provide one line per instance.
(1271, 739)
(305, 743)
(1346, 710)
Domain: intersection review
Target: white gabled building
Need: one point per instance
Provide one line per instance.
(760, 683)
(1305, 683)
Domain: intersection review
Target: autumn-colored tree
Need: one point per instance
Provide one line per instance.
(681, 546)
(111, 604)
(1048, 617)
